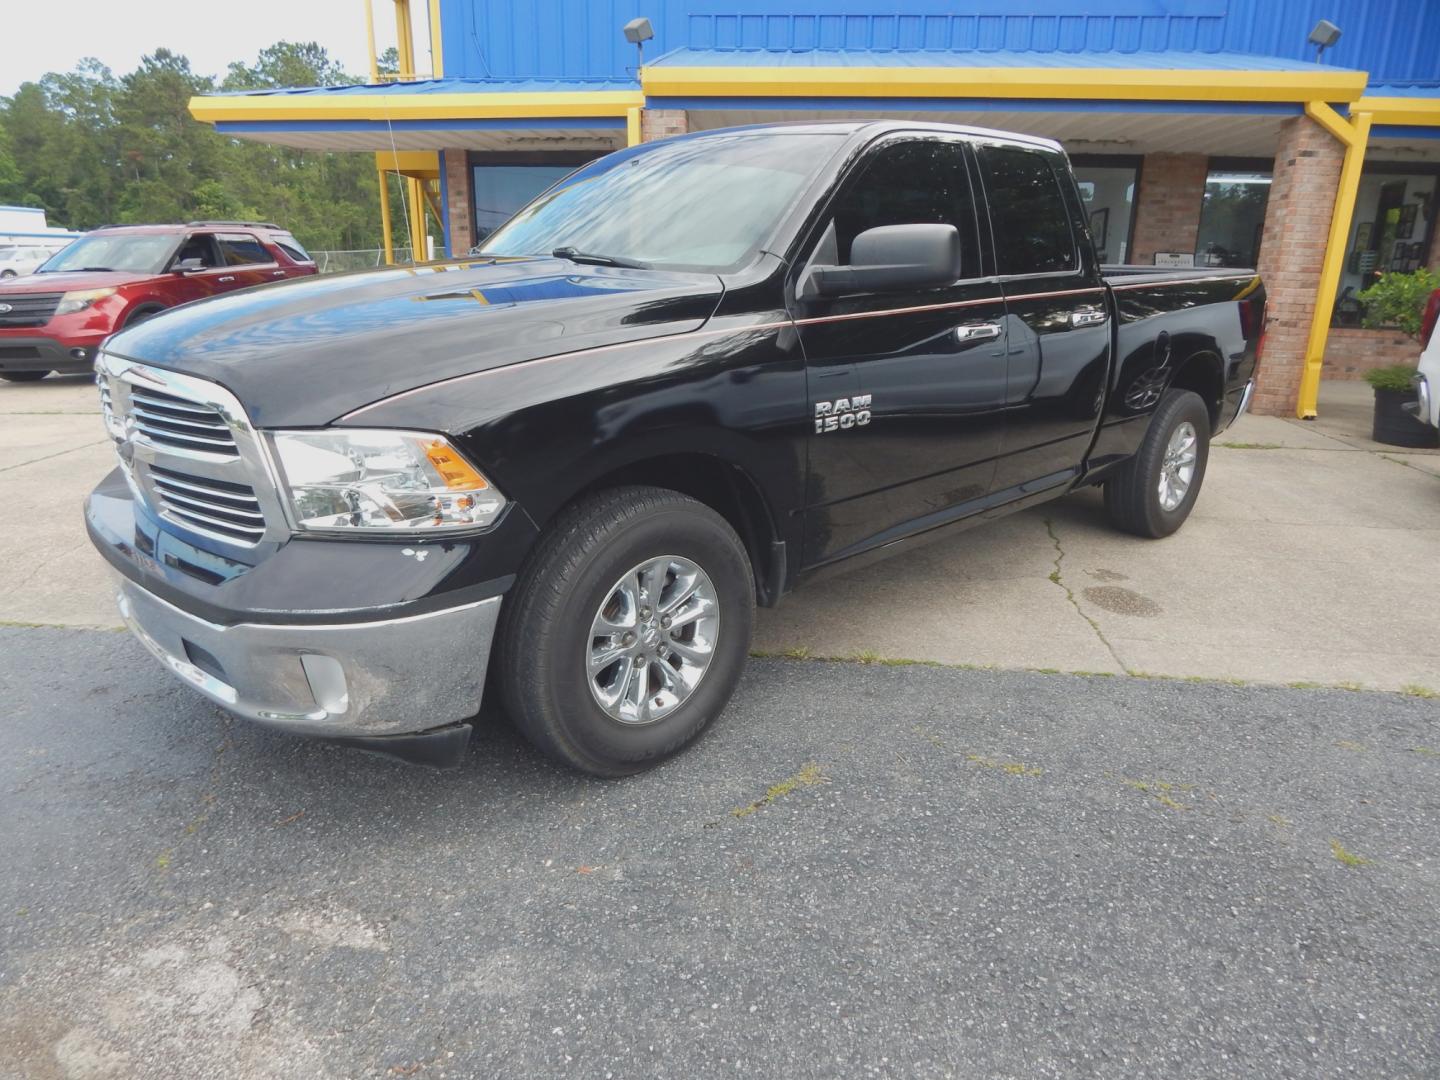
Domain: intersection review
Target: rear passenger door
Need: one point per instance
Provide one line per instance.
(1057, 317)
(906, 387)
(246, 261)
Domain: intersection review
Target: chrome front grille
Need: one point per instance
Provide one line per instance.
(190, 453)
(212, 505)
(172, 421)
(29, 309)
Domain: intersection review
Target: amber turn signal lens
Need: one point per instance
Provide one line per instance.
(456, 472)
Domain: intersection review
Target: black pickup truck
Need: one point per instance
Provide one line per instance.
(684, 379)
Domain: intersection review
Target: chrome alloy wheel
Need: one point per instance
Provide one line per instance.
(652, 640)
(1177, 469)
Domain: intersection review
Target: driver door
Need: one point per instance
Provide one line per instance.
(196, 284)
(914, 379)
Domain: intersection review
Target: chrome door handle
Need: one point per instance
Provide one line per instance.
(225, 277)
(978, 332)
(277, 273)
(1088, 317)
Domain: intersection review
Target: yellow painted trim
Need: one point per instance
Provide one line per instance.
(1340, 218)
(1420, 112)
(433, 201)
(421, 163)
(1323, 84)
(437, 54)
(386, 231)
(460, 106)
(370, 41)
(419, 233)
(1331, 121)
(404, 39)
(632, 126)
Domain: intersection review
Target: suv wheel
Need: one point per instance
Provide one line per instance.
(628, 630)
(1156, 490)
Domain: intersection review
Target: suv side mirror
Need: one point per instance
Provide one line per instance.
(189, 266)
(893, 258)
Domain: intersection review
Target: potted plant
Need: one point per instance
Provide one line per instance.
(1398, 301)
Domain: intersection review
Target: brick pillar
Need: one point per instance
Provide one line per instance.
(1297, 226)
(459, 202)
(662, 123)
(1172, 189)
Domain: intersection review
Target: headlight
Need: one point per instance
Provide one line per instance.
(72, 302)
(391, 481)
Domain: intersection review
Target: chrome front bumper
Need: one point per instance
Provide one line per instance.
(340, 680)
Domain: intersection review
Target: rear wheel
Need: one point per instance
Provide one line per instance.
(628, 630)
(1156, 490)
(23, 376)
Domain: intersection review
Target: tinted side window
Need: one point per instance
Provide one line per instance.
(913, 183)
(1027, 212)
(198, 246)
(288, 244)
(239, 250)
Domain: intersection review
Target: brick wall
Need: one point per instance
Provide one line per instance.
(662, 123)
(1167, 217)
(459, 202)
(1297, 224)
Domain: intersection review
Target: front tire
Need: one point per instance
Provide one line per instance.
(628, 630)
(1155, 491)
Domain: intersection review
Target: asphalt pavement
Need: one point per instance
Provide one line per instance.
(864, 870)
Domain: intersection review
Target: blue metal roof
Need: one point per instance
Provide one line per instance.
(1160, 61)
(1395, 40)
(444, 86)
(1410, 90)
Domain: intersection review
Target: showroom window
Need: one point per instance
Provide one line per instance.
(503, 183)
(1391, 230)
(1232, 216)
(1107, 186)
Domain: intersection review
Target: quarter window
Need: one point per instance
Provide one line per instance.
(291, 247)
(1027, 212)
(240, 250)
(923, 182)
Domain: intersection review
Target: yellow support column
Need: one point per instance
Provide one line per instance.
(632, 126)
(370, 41)
(385, 230)
(419, 234)
(404, 40)
(1355, 135)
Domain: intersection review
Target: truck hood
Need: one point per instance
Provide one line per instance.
(304, 353)
(71, 281)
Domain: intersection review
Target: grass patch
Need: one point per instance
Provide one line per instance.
(1418, 691)
(1425, 750)
(1347, 858)
(1251, 445)
(1010, 768)
(1162, 791)
(808, 776)
(1350, 744)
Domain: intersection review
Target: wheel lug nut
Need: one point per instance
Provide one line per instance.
(628, 638)
(665, 621)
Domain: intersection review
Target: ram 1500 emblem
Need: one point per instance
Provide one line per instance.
(842, 413)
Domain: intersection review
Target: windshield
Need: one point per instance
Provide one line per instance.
(120, 251)
(696, 204)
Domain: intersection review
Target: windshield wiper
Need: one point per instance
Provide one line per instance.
(598, 260)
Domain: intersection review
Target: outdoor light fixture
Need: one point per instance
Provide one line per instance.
(1325, 34)
(639, 31)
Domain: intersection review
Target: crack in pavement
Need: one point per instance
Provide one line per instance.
(1057, 576)
(47, 457)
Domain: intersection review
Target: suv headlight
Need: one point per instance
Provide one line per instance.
(72, 302)
(382, 481)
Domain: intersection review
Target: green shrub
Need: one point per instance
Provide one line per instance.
(1394, 377)
(1398, 300)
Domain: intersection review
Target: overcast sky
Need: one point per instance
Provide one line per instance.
(37, 36)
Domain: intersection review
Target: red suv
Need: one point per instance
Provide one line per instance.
(55, 319)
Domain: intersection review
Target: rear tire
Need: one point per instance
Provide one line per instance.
(1155, 491)
(627, 631)
(23, 376)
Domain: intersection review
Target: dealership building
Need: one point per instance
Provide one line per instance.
(1296, 136)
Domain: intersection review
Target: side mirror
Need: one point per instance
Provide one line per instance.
(189, 266)
(892, 258)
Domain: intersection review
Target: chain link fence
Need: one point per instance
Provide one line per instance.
(334, 262)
